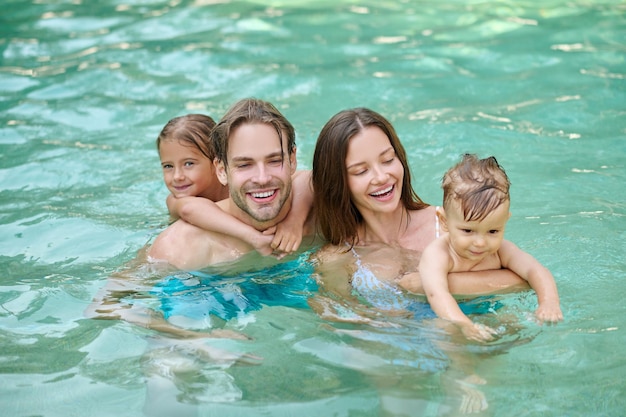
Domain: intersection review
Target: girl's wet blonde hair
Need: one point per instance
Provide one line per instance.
(191, 129)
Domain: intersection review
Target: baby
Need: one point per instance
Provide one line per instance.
(475, 211)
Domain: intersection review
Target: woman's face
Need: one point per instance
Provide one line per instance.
(375, 173)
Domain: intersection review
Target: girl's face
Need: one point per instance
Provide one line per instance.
(187, 172)
(375, 174)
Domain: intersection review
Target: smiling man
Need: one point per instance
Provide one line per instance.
(256, 158)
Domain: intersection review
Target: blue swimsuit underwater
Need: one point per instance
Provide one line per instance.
(201, 296)
(420, 350)
(384, 296)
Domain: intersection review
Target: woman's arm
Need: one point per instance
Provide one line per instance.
(493, 281)
(333, 270)
(473, 283)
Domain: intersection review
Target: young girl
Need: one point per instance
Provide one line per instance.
(187, 161)
(475, 211)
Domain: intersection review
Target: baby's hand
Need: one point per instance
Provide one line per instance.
(549, 312)
(478, 332)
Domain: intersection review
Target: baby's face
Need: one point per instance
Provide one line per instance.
(475, 240)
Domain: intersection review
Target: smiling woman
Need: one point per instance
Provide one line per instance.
(375, 180)
(339, 218)
(363, 197)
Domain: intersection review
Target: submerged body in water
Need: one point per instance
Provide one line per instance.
(199, 297)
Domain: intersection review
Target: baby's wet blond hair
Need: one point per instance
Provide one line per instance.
(479, 186)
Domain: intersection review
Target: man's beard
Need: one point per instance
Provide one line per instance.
(263, 212)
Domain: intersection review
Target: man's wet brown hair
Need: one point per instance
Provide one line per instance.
(250, 111)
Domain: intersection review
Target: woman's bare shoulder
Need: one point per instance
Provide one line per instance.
(422, 229)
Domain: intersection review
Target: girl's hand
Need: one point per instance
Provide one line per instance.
(262, 243)
(287, 238)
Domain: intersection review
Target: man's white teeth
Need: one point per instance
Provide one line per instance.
(385, 191)
(264, 194)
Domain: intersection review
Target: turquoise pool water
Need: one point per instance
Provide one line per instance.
(85, 86)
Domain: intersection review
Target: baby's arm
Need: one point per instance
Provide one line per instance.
(288, 234)
(435, 264)
(205, 214)
(539, 278)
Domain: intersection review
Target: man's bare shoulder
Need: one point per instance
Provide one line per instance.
(188, 247)
(177, 232)
(182, 244)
